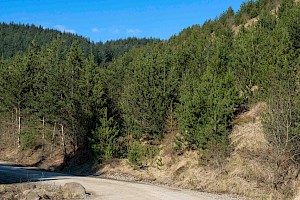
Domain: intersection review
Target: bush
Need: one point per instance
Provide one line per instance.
(140, 154)
(215, 156)
(28, 140)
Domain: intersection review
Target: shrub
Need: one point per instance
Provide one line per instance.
(140, 154)
(28, 140)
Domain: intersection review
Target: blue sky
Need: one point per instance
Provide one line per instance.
(104, 20)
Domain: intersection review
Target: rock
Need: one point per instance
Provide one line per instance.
(31, 195)
(73, 190)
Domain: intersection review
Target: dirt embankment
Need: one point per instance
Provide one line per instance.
(248, 171)
(35, 158)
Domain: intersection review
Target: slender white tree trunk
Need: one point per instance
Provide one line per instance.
(52, 139)
(18, 119)
(75, 141)
(63, 140)
(172, 129)
(12, 120)
(43, 136)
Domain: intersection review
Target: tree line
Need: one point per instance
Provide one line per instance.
(193, 84)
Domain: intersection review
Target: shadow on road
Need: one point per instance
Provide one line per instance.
(78, 163)
(14, 173)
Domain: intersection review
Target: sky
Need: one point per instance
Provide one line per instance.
(102, 20)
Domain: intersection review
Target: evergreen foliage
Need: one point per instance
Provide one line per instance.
(118, 95)
(17, 37)
(104, 142)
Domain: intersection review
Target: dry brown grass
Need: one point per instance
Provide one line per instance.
(247, 133)
(248, 171)
(236, 29)
(38, 158)
(249, 23)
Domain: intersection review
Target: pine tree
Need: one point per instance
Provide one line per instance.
(104, 140)
(73, 68)
(14, 89)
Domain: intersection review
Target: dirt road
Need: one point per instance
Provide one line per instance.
(102, 188)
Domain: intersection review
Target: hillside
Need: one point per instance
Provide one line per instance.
(17, 38)
(211, 101)
(244, 172)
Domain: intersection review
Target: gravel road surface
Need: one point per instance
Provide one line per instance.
(102, 189)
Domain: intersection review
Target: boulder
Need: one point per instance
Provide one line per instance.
(73, 190)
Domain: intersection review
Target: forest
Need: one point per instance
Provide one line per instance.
(119, 99)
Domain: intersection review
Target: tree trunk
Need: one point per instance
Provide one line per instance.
(12, 128)
(43, 136)
(52, 139)
(63, 141)
(75, 141)
(18, 117)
